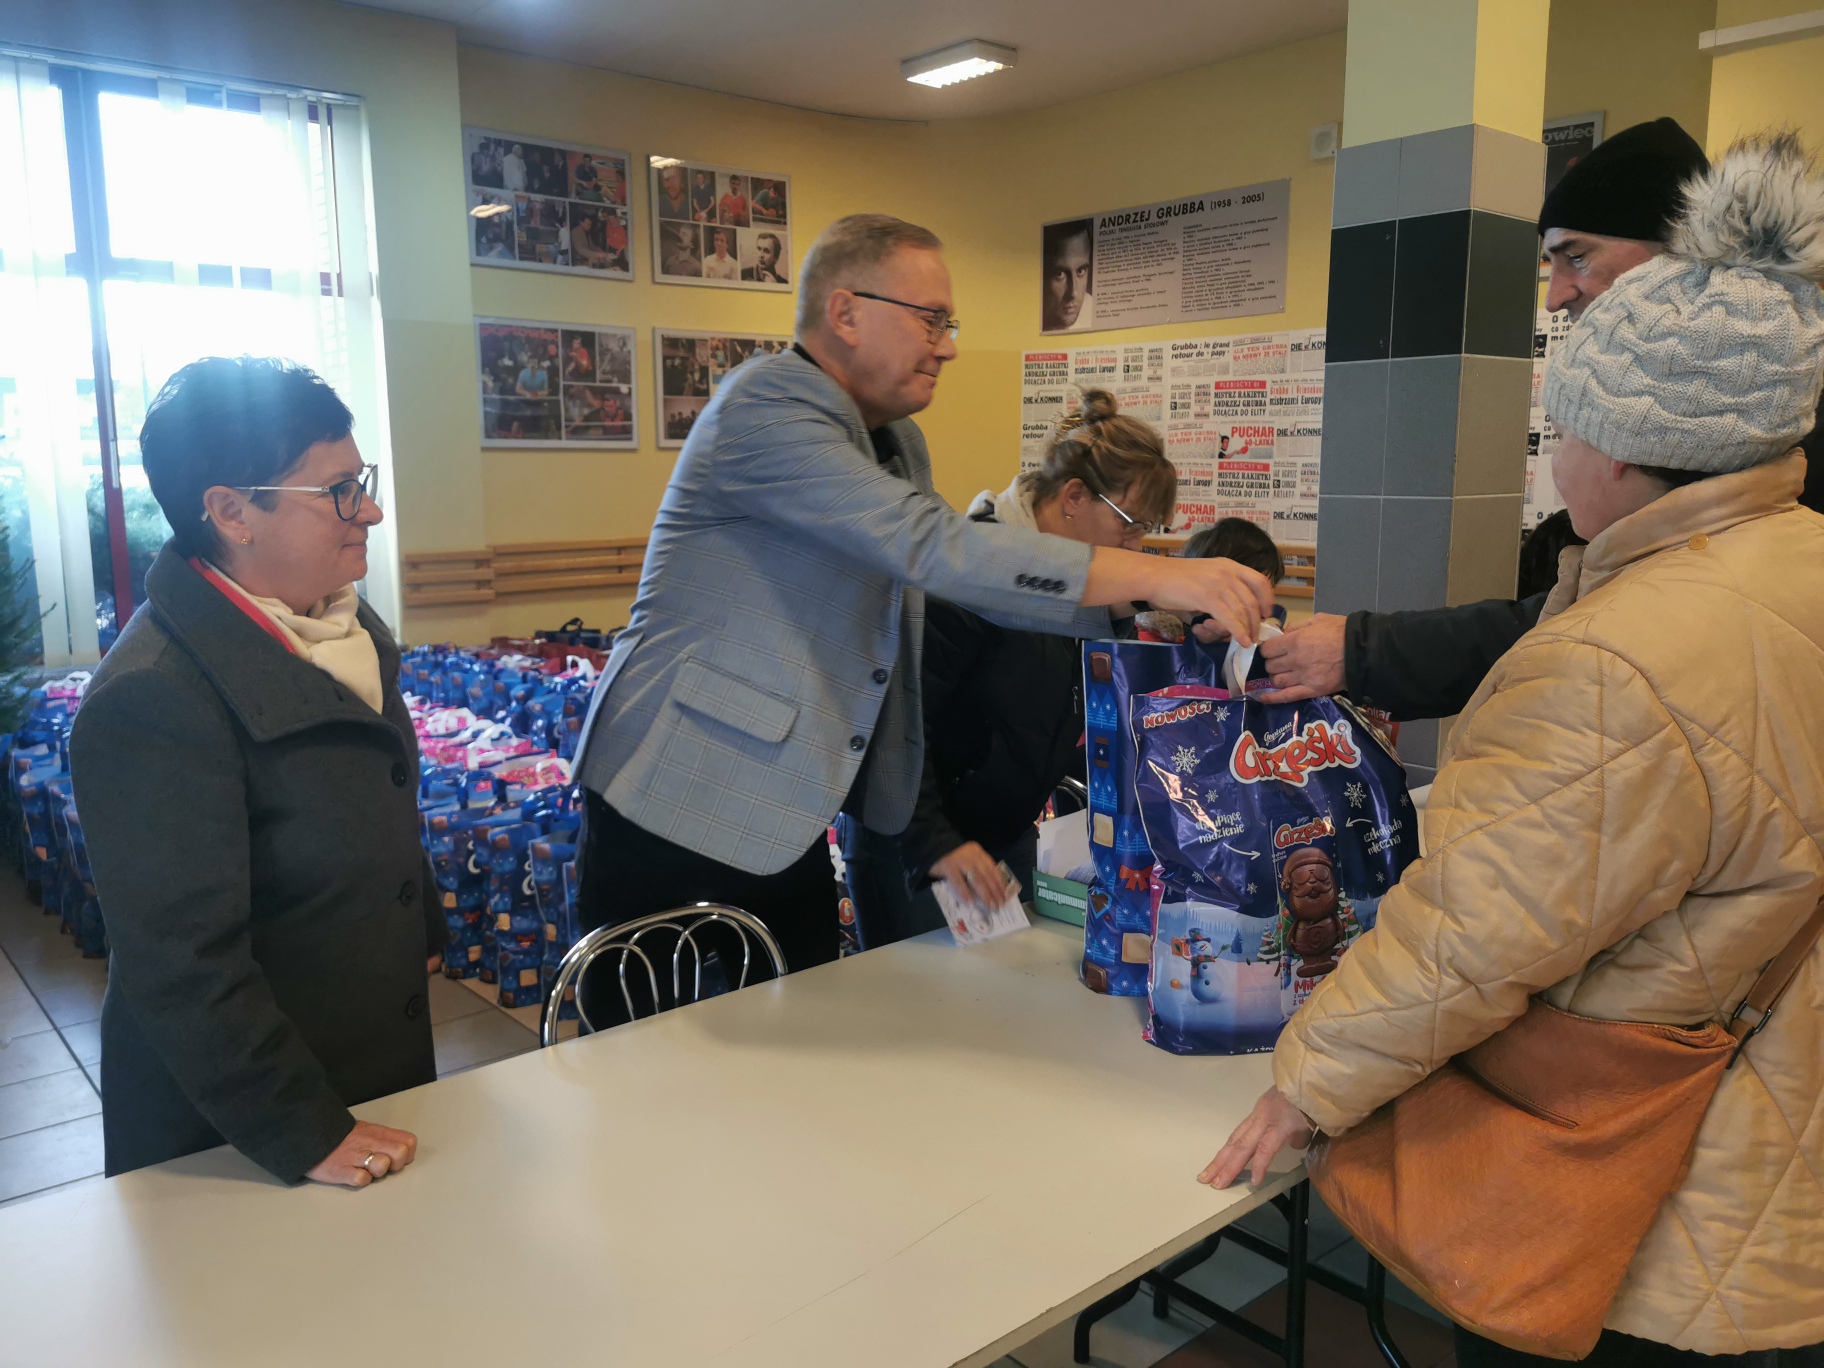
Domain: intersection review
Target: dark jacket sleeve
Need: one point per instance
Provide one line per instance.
(159, 778)
(1429, 663)
(955, 639)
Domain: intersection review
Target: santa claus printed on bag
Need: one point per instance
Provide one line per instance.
(1308, 886)
(1316, 921)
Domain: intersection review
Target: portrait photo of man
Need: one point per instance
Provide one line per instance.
(1068, 302)
(768, 263)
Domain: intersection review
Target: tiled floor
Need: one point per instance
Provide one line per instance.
(50, 1047)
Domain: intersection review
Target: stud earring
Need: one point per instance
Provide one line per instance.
(246, 541)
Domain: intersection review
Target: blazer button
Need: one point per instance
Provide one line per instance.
(399, 775)
(881, 676)
(414, 1007)
(408, 892)
(858, 743)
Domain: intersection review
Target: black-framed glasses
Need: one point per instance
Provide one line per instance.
(1146, 529)
(349, 494)
(938, 324)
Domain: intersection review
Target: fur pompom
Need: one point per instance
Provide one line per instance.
(1760, 206)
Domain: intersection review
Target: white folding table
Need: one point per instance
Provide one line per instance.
(923, 1155)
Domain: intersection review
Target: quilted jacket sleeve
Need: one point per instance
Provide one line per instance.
(1572, 814)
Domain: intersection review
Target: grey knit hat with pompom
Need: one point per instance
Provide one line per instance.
(1710, 357)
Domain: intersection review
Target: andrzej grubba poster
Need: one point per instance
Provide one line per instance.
(1215, 255)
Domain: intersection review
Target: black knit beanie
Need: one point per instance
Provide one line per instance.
(1630, 186)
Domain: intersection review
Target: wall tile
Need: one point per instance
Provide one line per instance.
(1367, 184)
(1435, 171)
(1349, 552)
(1360, 316)
(1431, 268)
(1509, 174)
(1421, 425)
(1484, 547)
(1492, 410)
(1415, 554)
(1503, 289)
(1355, 427)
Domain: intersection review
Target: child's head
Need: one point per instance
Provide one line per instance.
(1241, 541)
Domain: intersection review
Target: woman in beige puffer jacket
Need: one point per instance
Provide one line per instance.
(1632, 820)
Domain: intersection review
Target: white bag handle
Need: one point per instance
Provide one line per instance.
(1237, 663)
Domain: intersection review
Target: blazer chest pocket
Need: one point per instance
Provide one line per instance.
(733, 702)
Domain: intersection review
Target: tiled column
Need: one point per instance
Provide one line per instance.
(1433, 280)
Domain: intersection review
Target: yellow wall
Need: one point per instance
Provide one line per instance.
(1416, 66)
(837, 166)
(1635, 60)
(1766, 87)
(983, 185)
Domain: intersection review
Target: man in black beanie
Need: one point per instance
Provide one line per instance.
(1611, 211)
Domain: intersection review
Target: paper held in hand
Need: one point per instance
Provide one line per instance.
(970, 924)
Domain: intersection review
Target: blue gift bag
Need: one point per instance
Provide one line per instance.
(1118, 925)
(1276, 830)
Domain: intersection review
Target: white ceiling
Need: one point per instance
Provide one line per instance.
(842, 56)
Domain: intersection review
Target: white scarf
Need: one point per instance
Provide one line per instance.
(1012, 506)
(331, 637)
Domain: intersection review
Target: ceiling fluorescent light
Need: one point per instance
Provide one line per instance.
(958, 62)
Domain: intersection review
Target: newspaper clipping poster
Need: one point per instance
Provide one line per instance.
(1549, 330)
(1215, 255)
(1242, 419)
(720, 225)
(537, 205)
(690, 367)
(556, 385)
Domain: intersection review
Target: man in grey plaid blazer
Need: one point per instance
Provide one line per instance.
(769, 675)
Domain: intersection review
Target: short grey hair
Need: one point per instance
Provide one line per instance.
(847, 253)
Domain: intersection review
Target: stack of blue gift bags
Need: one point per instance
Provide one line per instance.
(43, 833)
(498, 813)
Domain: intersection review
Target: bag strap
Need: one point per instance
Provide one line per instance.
(1756, 1010)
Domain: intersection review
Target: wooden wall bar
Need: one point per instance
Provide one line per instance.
(433, 578)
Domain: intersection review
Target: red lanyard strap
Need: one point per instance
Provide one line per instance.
(241, 601)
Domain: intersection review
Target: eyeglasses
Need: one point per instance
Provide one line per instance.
(1146, 529)
(349, 494)
(938, 324)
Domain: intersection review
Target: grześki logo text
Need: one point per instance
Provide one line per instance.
(1323, 745)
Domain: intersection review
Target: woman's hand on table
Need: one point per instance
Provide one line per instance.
(368, 1152)
(1271, 1126)
(972, 875)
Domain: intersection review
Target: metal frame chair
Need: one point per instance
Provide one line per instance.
(684, 922)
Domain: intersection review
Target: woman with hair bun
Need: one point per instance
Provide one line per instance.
(1003, 708)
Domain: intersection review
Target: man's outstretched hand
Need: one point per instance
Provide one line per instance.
(1305, 660)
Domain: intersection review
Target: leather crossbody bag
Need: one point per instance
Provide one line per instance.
(1511, 1188)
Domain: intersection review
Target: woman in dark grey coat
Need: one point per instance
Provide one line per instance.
(247, 776)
